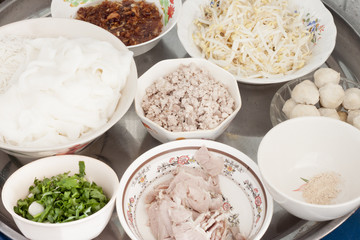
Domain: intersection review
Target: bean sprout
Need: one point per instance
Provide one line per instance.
(253, 38)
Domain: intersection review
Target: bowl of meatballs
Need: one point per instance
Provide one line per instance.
(324, 94)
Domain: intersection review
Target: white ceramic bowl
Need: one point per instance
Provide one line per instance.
(17, 187)
(302, 148)
(70, 28)
(317, 19)
(165, 67)
(239, 183)
(284, 93)
(170, 14)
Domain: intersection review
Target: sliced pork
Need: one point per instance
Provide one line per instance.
(189, 205)
(212, 164)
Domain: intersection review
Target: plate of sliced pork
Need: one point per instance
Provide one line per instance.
(193, 189)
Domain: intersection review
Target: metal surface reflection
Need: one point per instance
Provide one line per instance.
(128, 139)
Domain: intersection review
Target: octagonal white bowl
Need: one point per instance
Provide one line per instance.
(165, 67)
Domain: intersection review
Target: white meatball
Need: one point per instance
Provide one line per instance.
(356, 122)
(323, 76)
(305, 92)
(288, 106)
(303, 110)
(351, 115)
(329, 112)
(352, 99)
(342, 115)
(331, 95)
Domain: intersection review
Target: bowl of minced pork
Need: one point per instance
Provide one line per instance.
(61, 86)
(186, 98)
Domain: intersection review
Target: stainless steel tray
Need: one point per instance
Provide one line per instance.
(128, 138)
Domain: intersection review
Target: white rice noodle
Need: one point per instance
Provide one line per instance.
(57, 90)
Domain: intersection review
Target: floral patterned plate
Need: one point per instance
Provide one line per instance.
(170, 10)
(245, 198)
(316, 18)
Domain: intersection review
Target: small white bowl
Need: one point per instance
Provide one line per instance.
(70, 28)
(165, 67)
(17, 187)
(318, 20)
(170, 10)
(239, 182)
(302, 148)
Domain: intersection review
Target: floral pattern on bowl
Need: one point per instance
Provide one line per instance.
(168, 8)
(244, 197)
(314, 27)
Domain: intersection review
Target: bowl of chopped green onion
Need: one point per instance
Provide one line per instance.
(61, 197)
